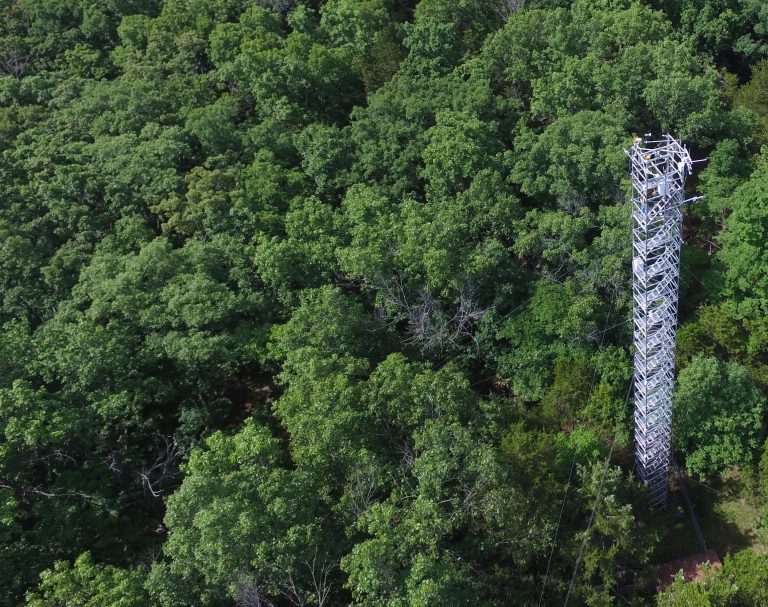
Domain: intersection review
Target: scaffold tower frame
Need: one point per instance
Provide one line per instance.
(658, 169)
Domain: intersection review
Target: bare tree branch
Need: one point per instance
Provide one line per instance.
(322, 586)
(27, 494)
(506, 8)
(279, 6)
(428, 324)
(292, 593)
(251, 594)
(158, 473)
(362, 488)
(15, 64)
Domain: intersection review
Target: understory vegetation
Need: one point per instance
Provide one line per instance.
(325, 303)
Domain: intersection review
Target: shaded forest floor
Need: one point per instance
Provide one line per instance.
(729, 521)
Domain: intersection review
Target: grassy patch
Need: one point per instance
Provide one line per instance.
(729, 520)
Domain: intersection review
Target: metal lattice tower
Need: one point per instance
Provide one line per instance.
(659, 169)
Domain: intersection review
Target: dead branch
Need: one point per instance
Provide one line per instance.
(427, 322)
(157, 474)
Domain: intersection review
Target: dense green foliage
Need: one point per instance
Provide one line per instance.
(742, 582)
(324, 302)
(719, 414)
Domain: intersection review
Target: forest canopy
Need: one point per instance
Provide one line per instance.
(325, 302)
